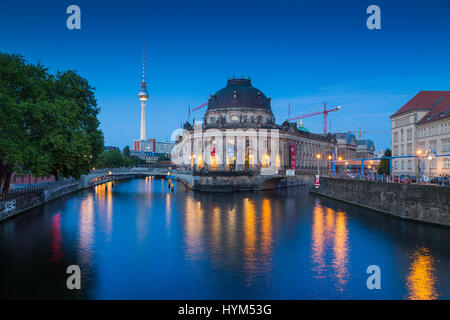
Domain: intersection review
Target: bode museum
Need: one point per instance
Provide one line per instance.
(239, 133)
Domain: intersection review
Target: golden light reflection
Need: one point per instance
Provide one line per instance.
(318, 239)
(216, 227)
(266, 227)
(330, 234)
(109, 211)
(421, 282)
(168, 211)
(340, 249)
(249, 235)
(193, 226)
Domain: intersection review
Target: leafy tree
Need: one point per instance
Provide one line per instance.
(136, 161)
(110, 159)
(48, 123)
(384, 167)
(126, 151)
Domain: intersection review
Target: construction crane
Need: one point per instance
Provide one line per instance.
(360, 132)
(325, 114)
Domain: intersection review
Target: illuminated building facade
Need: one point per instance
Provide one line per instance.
(239, 133)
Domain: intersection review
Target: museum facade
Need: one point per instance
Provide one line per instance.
(239, 133)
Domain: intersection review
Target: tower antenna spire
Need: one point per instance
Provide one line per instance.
(143, 65)
(143, 96)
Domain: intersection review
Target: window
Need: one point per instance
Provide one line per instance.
(445, 145)
(403, 165)
(401, 135)
(409, 134)
(409, 149)
(395, 150)
(395, 137)
(409, 165)
(447, 163)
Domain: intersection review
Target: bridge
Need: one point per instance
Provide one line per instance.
(218, 181)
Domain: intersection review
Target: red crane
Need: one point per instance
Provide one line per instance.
(324, 112)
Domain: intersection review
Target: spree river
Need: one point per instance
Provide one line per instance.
(137, 240)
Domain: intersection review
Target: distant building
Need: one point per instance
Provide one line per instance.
(145, 145)
(148, 145)
(150, 157)
(422, 124)
(164, 147)
(346, 145)
(365, 149)
(151, 150)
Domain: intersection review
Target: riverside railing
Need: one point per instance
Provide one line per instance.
(28, 188)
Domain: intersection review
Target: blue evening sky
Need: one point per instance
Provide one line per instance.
(298, 52)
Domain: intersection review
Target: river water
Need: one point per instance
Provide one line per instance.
(137, 240)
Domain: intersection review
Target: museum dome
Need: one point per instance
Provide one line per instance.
(238, 94)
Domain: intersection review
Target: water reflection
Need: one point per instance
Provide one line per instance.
(193, 222)
(330, 235)
(56, 242)
(86, 227)
(104, 198)
(249, 239)
(421, 281)
(266, 229)
(137, 239)
(340, 249)
(168, 211)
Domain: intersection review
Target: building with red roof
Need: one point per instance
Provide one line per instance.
(422, 124)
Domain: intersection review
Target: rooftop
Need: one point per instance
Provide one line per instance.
(440, 110)
(424, 100)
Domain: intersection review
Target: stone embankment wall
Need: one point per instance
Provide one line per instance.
(424, 203)
(241, 182)
(26, 201)
(29, 200)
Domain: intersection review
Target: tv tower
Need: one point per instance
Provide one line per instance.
(143, 96)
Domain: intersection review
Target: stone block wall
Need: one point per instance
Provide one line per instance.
(425, 203)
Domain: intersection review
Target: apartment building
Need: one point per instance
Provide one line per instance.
(423, 123)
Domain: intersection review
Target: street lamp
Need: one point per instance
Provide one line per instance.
(329, 162)
(419, 155)
(318, 156)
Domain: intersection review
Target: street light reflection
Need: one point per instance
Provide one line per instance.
(421, 281)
